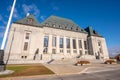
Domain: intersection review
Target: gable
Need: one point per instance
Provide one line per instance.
(29, 20)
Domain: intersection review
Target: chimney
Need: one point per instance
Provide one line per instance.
(27, 14)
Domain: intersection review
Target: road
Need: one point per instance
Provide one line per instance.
(104, 75)
(92, 73)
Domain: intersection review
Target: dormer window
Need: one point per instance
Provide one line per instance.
(60, 26)
(53, 25)
(77, 28)
(71, 27)
(65, 27)
(29, 21)
(46, 24)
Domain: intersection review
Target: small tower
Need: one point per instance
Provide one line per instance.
(97, 44)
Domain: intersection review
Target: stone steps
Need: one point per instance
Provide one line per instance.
(74, 60)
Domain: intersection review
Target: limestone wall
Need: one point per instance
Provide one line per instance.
(36, 41)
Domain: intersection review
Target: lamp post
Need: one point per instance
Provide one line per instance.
(5, 37)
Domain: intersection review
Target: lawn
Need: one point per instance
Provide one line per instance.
(27, 70)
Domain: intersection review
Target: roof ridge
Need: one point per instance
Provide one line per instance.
(62, 23)
(66, 19)
(60, 17)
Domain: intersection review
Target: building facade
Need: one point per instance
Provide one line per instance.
(56, 38)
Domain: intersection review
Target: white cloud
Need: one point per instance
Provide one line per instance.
(2, 27)
(55, 8)
(1, 34)
(0, 17)
(9, 8)
(2, 20)
(114, 51)
(42, 17)
(15, 13)
(31, 8)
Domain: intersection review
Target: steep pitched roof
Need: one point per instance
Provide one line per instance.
(92, 32)
(29, 20)
(62, 23)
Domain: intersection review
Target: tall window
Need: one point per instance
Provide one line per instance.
(99, 43)
(61, 42)
(85, 44)
(46, 41)
(74, 44)
(68, 42)
(100, 50)
(54, 41)
(80, 43)
(27, 36)
(26, 46)
(80, 52)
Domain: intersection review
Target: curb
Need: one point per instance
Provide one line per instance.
(6, 72)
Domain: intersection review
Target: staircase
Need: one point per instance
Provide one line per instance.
(64, 61)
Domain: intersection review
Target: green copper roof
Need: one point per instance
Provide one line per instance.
(29, 20)
(92, 32)
(62, 23)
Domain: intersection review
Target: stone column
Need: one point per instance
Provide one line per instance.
(77, 47)
(57, 44)
(50, 44)
(83, 47)
(71, 46)
(64, 45)
(41, 46)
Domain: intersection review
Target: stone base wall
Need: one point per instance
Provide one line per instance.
(2, 68)
(47, 57)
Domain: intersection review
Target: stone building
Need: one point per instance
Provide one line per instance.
(56, 38)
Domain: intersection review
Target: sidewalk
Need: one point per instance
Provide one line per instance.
(64, 69)
(68, 69)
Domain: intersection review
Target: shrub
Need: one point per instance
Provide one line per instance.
(110, 61)
(82, 62)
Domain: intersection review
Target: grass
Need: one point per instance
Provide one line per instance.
(27, 70)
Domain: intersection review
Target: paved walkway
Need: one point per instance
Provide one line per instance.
(6, 72)
(64, 68)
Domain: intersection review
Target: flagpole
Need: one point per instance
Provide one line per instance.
(8, 26)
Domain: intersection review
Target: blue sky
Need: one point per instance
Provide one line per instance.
(102, 15)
